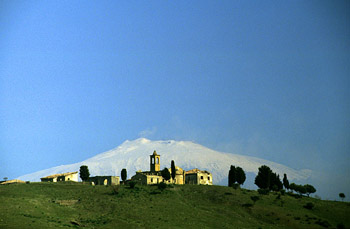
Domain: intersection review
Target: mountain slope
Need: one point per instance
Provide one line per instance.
(134, 155)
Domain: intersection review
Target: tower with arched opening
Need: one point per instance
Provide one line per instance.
(155, 162)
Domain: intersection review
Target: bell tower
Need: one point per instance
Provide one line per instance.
(155, 162)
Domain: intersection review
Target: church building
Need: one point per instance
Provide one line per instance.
(154, 176)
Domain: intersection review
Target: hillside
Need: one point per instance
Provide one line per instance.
(134, 155)
(45, 205)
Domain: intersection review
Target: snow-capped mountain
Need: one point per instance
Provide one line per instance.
(134, 155)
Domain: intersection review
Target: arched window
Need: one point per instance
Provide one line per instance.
(157, 160)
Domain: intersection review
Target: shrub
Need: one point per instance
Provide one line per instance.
(235, 186)
(162, 186)
(132, 184)
(324, 223)
(282, 192)
(340, 226)
(309, 206)
(115, 189)
(255, 198)
(248, 205)
(263, 191)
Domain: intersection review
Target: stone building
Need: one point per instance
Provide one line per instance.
(72, 176)
(104, 180)
(196, 176)
(154, 176)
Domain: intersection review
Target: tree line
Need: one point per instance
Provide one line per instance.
(267, 181)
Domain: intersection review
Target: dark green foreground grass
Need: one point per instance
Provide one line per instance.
(45, 205)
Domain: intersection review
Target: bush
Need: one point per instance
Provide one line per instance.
(283, 192)
(255, 198)
(309, 206)
(132, 184)
(340, 226)
(248, 205)
(324, 223)
(235, 186)
(263, 191)
(162, 186)
(115, 189)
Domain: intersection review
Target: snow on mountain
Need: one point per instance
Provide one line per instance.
(134, 155)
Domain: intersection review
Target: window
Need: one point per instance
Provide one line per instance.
(208, 178)
(68, 178)
(152, 160)
(151, 180)
(201, 177)
(157, 160)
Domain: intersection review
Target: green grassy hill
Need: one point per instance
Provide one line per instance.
(44, 205)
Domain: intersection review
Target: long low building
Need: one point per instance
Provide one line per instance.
(72, 176)
(104, 180)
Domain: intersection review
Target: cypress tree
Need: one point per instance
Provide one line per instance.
(84, 173)
(232, 176)
(285, 181)
(173, 170)
(124, 175)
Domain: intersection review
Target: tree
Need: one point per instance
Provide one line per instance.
(232, 176)
(173, 170)
(309, 189)
(124, 175)
(285, 181)
(293, 187)
(84, 173)
(263, 179)
(342, 196)
(240, 175)
(298, 188)
(166, 174)
(275, 182)
(5, 178)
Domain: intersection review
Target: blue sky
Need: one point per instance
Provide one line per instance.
(262, 78)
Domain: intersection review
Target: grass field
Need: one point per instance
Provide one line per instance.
(52, 205)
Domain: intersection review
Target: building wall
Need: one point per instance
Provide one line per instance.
(199, 178)
(139, 178)
(70, 177)
(205, 178)
(191, 178)
(105, 180)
